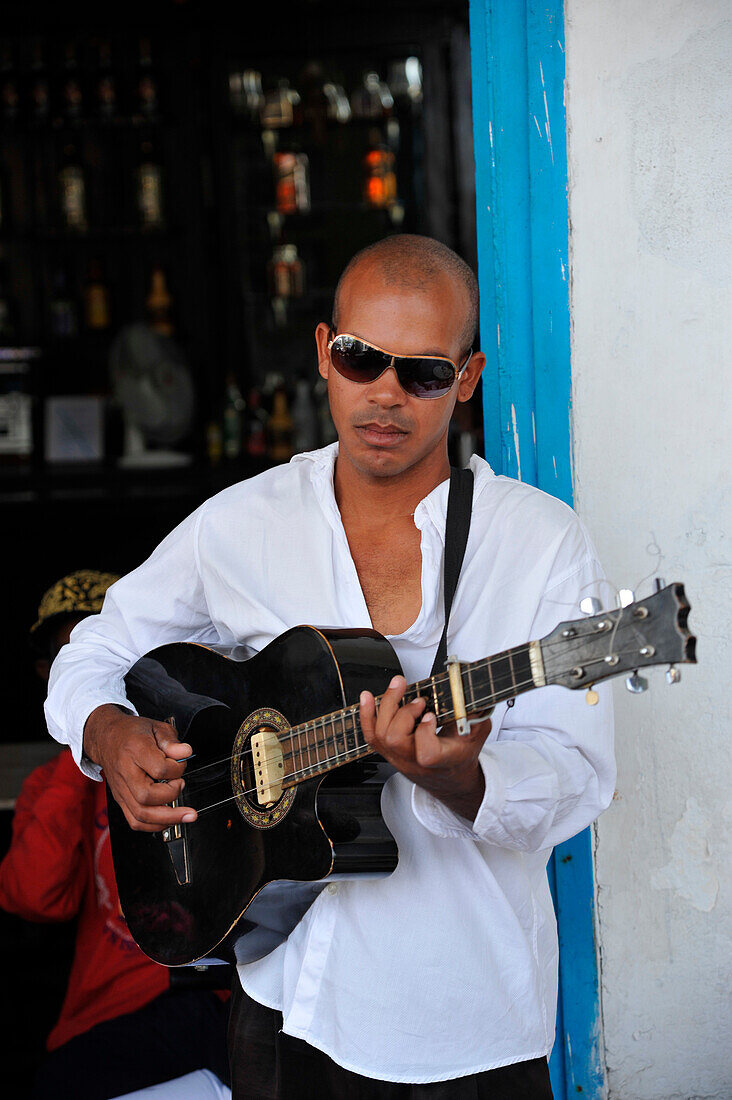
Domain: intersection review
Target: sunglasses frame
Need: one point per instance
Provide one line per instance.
(394, 359)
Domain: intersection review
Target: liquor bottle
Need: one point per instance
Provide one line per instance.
(304, 419)
(72, 191)
(379, 180)
(97, 311)
(281, 106)
(214, 444)
(63, 317)
(147, 103)
(149, 187)
(105, 90)
(72, 92)
(9, 87)
(292, 183)
(40, 87)
(159, 303)
(405, 81)
(372, 100)
(285, 272)
(256, 425)
(245, 94)
(339, 109)
(233, 418)
(280, 428)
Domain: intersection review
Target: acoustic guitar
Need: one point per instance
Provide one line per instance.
(286, 789)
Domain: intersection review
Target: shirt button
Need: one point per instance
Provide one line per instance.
(332, 888)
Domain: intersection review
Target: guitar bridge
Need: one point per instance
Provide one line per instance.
(269, 766)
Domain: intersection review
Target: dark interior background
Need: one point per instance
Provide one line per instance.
(215, 248)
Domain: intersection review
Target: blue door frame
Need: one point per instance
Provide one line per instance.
(519, 123)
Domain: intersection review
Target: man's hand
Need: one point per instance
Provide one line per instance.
(143, 761)
(446, 766)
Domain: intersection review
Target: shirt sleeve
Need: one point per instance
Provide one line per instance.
(549, 762)
(161, 601)
(43, 874)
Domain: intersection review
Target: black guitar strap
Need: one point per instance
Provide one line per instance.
(457, 526)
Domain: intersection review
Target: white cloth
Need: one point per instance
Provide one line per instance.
(449, 966)
(202, 1084)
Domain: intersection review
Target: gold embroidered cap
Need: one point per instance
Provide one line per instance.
(81, 592)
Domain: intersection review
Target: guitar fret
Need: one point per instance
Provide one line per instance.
(337, 738)
(436, 705)
(510, 668)
(471, 690)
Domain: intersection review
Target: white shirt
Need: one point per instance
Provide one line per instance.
(449, 966)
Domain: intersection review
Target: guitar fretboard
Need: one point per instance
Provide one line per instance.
(316, 747)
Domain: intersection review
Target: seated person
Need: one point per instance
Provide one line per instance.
(123, 1024)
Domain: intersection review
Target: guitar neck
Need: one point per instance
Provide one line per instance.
(317, 747)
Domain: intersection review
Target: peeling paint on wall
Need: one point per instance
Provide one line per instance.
(681, 163)
(690, 871)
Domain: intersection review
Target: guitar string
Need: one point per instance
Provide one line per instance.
(326, 765)
(440, 680)
(323, 766)
(303, 728)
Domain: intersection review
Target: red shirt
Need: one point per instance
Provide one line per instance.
(59, 866)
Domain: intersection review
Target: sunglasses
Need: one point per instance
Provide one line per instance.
(423, 376)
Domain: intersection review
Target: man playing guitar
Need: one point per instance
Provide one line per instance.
(439, 981)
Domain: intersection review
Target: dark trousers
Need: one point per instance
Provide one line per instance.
(177, 1033)
(269, 1065)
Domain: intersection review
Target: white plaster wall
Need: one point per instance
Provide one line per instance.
(649, 102)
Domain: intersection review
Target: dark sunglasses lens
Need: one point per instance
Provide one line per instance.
(357, 361)
(425, 377)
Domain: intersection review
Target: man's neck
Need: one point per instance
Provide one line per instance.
(365, 498)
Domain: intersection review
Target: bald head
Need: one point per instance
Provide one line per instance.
(416, 263)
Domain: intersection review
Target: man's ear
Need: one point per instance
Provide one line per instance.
(471, 374)
(322, 332)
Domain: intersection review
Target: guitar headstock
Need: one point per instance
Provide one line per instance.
(641, 634)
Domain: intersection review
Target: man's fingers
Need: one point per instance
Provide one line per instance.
(166, 738)
(448, 749)
(391, 728)
(152, 819)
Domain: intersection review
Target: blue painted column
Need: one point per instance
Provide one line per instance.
(519, 121)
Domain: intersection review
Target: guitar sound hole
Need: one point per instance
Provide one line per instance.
(258, 770)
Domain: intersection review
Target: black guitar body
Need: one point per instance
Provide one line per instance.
(244, 873)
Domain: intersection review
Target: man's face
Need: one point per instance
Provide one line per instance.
(382, 430)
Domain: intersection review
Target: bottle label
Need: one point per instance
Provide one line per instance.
(73, 197)
(150, 195)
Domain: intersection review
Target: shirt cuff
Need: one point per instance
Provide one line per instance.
(440, 820)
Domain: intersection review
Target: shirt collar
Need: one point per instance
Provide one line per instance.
(431, 509)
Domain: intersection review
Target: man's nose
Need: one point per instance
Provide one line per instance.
(387, 389)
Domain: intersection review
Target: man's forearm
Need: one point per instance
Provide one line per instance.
(463, 797)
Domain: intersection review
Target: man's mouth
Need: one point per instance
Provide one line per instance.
(384, 435)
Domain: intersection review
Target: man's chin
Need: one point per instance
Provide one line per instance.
(380, 461)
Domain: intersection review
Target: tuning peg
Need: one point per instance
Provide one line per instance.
(590, 605)
(625, 597)
(672, 675)
(660, 583)
(636, 684)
